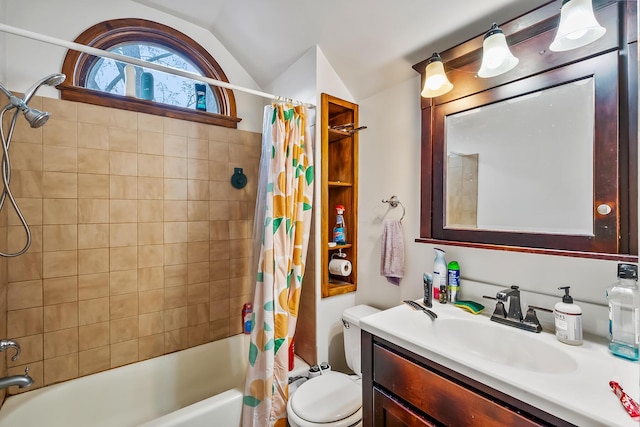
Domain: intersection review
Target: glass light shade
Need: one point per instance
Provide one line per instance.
(578, 26)
(436, 82)
(496, 57)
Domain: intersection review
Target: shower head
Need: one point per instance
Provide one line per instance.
(36, 118)
(51, 80)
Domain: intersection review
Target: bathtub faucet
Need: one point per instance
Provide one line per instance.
(7, 344)
(21, 381)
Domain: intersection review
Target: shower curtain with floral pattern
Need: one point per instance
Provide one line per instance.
(285, 237)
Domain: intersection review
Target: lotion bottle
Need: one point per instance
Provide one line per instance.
(439, 273)
(568, 319)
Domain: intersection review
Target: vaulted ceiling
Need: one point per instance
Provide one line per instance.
(371, 44)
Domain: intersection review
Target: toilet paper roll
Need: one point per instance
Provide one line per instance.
(340, 267)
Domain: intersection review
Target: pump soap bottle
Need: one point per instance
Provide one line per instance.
(568, 319)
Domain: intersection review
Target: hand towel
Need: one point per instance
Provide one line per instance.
(392, 254)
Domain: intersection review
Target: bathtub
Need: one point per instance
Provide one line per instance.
(200, 386)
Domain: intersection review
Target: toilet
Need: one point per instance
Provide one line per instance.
(334, 399)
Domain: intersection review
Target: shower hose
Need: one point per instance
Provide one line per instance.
(6, 178)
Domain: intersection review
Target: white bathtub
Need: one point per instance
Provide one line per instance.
(200, 386)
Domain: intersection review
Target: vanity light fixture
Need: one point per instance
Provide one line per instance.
(496, 57)
(578, 26)
(436, 82)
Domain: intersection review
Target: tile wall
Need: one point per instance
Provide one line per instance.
(140, 244)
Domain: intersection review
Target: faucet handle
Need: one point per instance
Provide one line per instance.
(532, 319)
(499, 311)
(7, 344)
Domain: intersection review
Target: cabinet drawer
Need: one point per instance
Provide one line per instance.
(388, 412)
(446, 401)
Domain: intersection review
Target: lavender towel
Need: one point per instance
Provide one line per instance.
(392, 254)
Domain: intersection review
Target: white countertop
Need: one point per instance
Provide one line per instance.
(582, 397)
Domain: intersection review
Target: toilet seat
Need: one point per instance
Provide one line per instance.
(332, 399)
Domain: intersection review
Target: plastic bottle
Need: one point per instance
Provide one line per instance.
(568, 319)
(624, 316)
(146, 86)
(439, 273)
(129, 80)
(340, 231)
(453, 280)
(427, 282)
(247, 314)
(201, 97)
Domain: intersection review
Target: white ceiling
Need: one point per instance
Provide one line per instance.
(371, 44)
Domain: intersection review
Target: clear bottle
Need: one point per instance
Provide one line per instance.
(439, 273)
(340, 230)
(624, 313)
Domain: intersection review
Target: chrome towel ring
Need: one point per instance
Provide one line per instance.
(394, 202)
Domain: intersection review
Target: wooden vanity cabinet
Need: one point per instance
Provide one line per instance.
(401, 388)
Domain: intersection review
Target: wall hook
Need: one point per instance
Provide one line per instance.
(238, 179)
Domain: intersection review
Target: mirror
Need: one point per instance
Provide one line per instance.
(523, 164)
(533, 163)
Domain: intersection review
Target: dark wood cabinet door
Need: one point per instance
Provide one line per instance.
(391, 413)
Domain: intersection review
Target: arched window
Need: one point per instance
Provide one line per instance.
(101, 81)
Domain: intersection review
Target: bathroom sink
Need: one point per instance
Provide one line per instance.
(502, 345)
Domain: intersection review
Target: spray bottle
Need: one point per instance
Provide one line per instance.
(340, 230)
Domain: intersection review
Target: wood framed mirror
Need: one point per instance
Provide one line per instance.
(567, 119)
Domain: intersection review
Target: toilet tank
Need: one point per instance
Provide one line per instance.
(351, 328)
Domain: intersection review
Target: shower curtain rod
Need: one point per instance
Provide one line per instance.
(126, 59)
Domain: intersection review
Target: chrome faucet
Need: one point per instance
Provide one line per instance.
(513, 317)
(512, 296)
(7, 344)
(21, 381)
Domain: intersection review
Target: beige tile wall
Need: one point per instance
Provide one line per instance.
(141, 245)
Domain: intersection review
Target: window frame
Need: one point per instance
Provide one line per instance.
(109, 34)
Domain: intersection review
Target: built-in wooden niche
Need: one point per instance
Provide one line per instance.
(339, 142)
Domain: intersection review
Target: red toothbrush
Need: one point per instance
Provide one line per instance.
(629, 404)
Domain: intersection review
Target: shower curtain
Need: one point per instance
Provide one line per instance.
(285, 222)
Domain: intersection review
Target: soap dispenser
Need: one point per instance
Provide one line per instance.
(568, 319)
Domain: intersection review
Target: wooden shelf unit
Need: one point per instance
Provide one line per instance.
(339, 187)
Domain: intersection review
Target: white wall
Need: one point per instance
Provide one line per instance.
(329, 310)
(3, 44)
(298, 81)
(390, 164)
(29, 60)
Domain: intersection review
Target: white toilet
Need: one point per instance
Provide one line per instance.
(334, 399)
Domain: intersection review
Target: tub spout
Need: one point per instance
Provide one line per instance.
(21, 381)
